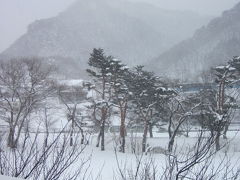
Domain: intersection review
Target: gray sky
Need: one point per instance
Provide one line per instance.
(15, 15)
(207, 7)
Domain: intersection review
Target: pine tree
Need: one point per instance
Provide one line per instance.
(145, 93)
(225, 75)
(209, 114)
(100, 72)
(120, 95)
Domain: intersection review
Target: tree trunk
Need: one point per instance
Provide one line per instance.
(99, 137)
(170, 145)
(217, 141)
(151, 125)
(11, 140)
(122, 131)
(71, 141)
(71, 138)
(226, 130)
(102, 128)
(102, 139)
(47, 128)
(103, 119)
(71, 134)
(144, 141)
(46, 140)
(150, 130)
(172, 139)
(187, 133)
(169, 129)
(82, 136)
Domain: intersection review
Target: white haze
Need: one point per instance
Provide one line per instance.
(15, 15)
(205, 7)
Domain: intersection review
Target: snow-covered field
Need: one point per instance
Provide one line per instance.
(8, 178)
(103, 164)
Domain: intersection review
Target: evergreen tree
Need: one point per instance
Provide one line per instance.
(209, 114)
(100, 72)
(145, 90)
(120, 94)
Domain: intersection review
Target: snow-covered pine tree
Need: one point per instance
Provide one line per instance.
(100, 72)
(144, 87)
(162, 96)
(120, 94)
(208, 113)
(225, 75)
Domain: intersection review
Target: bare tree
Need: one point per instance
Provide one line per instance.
(33, 159)
(179, 111)
(47, 121)
(143, 169)
(194, 162)
(72, 97)
(24, 84)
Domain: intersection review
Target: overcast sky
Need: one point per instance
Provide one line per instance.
(207, 7)
(15, 15)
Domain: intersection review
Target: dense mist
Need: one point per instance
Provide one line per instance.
(15, 15)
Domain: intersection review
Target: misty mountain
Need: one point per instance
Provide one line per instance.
(212, 45)
(135, 32)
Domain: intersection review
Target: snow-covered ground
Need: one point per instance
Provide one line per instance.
(104, 164)
(8, 178)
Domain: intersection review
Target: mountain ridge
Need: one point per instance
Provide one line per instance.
(210, 45)
(133, 32)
